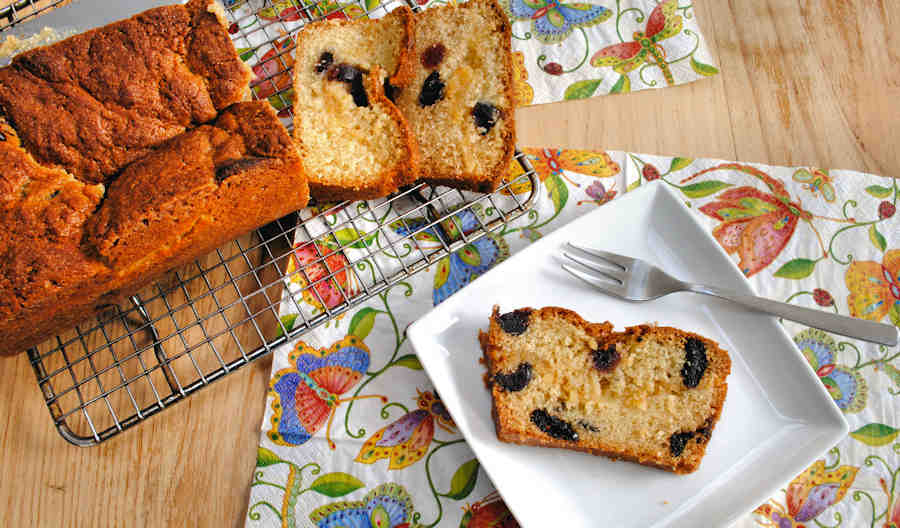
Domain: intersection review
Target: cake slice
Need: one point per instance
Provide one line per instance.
(353, 140)
(460, 102)
(650, 394)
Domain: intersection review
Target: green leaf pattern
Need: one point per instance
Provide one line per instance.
(362, 322)
(875, 434)
(799, 268)
(704, 188)
(336, 484)
(582, 89)
(811, 270)
(463, 481)
(444, 487)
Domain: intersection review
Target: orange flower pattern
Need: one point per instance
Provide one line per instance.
(875, 288)
(548, 162)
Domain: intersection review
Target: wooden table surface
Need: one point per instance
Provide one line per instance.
(803, 82)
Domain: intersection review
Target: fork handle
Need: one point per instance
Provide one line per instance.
(871, 331)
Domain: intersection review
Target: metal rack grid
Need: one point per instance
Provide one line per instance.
(12, 13)
(208, 319)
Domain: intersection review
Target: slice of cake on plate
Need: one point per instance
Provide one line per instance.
(650, 394)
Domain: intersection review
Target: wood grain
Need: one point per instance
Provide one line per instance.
(803, 82)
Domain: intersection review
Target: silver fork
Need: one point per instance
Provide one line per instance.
(636, 280)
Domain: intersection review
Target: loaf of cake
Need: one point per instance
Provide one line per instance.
(650, 394)
(460, 102)
(93, 103)
(125, 152)
(353, 140)
(198, 191)
(45, 277)
(74, 247)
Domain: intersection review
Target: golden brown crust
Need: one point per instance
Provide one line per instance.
(114, 103)
(403, 74)
(689, 461)
(58, 267)
(211, 55)
(198, 191)
(97, 101)
(628, 456)
(42, 211)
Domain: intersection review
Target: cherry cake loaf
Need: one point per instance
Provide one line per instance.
(650, 394)
(100, 100)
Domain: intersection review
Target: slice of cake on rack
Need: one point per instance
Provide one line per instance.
(354, 142)
(650, 394)
(460, 102)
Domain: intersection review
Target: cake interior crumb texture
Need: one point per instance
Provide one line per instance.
(648, 394)
(475, 68)
(353, 139)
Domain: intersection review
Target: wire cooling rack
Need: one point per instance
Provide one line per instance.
(206, 320)
(14, 12)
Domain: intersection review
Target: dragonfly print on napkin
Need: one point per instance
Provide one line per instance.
(575, 50)
(646, 48)
(808, 495)
(406, 440)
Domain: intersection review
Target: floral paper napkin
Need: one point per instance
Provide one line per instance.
(577, 50)
(383, 451)
(355, 435)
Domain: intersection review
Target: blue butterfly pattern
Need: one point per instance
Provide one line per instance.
(306, 396)
(845, 385)
(387, 506)
(553, 21)
(466, 264)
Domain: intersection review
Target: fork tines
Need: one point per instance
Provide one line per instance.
(601, 269)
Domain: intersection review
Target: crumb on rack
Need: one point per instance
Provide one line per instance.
(14, 45)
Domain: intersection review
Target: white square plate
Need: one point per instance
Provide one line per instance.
(777, 417)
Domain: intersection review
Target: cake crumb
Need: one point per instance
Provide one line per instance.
(14, 45)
